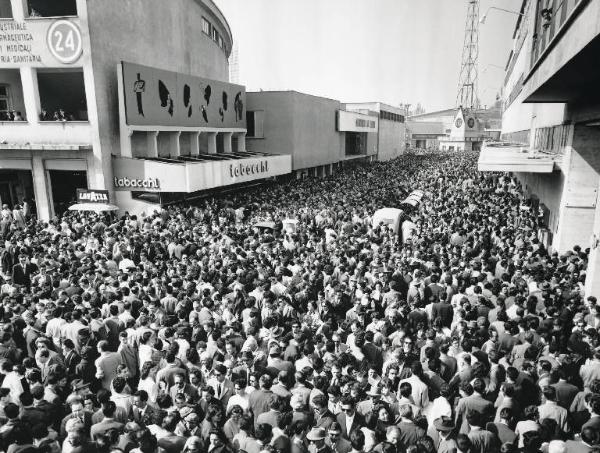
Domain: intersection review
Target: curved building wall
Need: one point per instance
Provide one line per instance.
(157, 33)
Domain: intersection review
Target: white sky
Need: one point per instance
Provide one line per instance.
(391, 51)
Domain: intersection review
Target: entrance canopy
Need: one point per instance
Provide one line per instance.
(504, 157)
(94, 207)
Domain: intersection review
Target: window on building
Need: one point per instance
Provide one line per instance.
(12, 104)
(215, 34)
(206, 27)
(5, 104)
(255, 124)
(54, 8)
(62, 95)
(5, 9)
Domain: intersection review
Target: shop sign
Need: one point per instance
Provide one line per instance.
(243, 169)
(40, 42)
(137, 183)
(356, 122)
(92, 196)
(155, 97)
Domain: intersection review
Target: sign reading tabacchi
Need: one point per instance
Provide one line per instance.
(241, 169)
(148, 183)
(39, 43)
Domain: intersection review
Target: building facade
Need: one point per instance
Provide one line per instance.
(322, 134)
(391, 137)
(551, 112)
(62, 98)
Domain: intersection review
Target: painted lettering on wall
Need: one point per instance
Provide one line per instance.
(16, 44)
(365, 123)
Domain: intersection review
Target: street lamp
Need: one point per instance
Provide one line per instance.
(484, 17)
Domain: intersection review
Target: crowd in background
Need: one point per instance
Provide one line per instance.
(195, 330)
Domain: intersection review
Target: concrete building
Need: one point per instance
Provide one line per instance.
(297, 124)
(391, 138)
(320, 133)
(552, 115)
(61, 67)
(424, 134)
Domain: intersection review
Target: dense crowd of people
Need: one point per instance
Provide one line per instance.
(195, 330)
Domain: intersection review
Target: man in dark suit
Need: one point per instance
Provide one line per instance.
(442, 434)
(472, 403)
(335, 440)
(258, 401)
(108, 422)
(72, 359)
(444, 311)
(31, 415)
(180, 386)
(349, 420)
(273, 415)
(141, 411)
(224, 388)
(589, 438)
(594, 408)
(501, 428)
(323, 416)
(171, 443)
(565, 392)
(483, 440)
(22, 271)
(77, 411)
(372, 353)
(410, 433)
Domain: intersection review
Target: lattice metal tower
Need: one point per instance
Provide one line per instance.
(467, 96)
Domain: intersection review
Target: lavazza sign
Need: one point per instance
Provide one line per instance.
(148, 183)
(241, 169)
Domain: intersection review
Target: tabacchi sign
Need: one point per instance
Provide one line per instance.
(241, 169)
(148, 183)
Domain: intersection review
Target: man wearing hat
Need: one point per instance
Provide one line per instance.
(316, 439)
(442, 434)
(275, 360)
(223, 387)
(365, 408)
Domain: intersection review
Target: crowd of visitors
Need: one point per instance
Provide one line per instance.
(192, 330)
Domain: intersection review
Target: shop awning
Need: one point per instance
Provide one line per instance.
(514, 158)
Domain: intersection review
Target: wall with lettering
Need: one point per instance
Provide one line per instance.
(40, 43)
(356, 122)
(154, 97)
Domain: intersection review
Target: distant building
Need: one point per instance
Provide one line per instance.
(460, 129)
